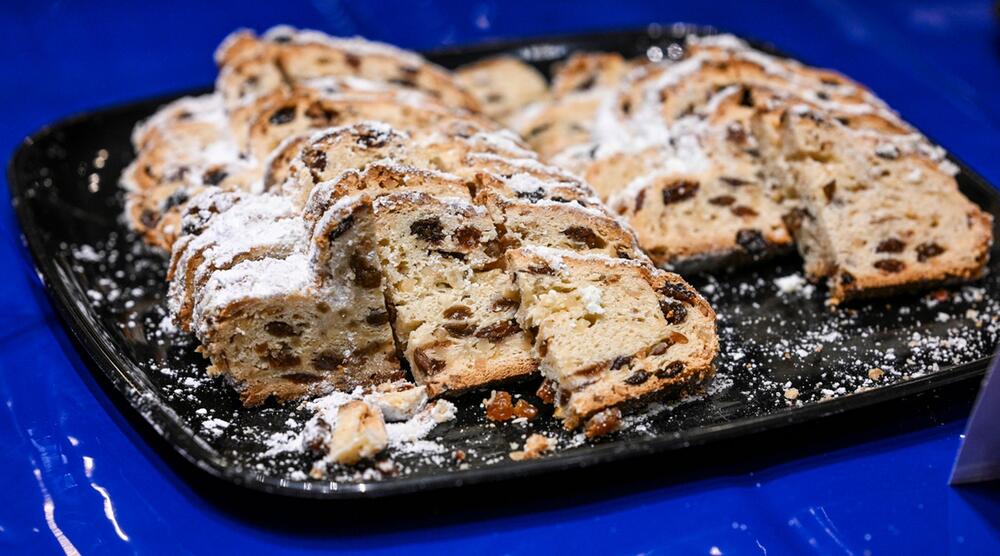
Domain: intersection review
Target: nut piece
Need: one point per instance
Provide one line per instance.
(359, 433)
(792, 393)
(876, 373)
(399, 401)
(534, 446)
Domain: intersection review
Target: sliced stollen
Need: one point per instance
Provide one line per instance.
(284, 56)
(502, 85)
(453, 303)
(877, 212)
(559, 224)
(718, 210)
(278, 116)
(671, 149)
(222, 229)
(268, 321)
(181, 150)
(610, 331)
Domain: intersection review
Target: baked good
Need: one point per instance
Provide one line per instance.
(875, 212)
(181, 150)
(453, 304)
(502, 85)
(283, 56)
(610, 331)
(267, 320)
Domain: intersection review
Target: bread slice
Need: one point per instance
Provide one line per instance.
(877, 212)
(251, 67)
(222, 229)
(243, 281)
(502, 85)
(182, 150)
(452, 301)
(609, 331)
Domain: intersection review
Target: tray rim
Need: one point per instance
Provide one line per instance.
(168, 426)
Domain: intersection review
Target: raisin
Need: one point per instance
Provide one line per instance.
(793, 219)
(149, 219)
(366, 274)
(586, 236)
(493, 98)
(178, 197)
(586, 83)
(327, 360)
(843, 120)
(460, 329)
(891, 245)
(620, 361)
(822, 95)
(752, 241)
(504, 304)
(499, 406)
(846, 278)
(736, 133)
(282, 358)
(722, 200)
(496, 332)
(541, 269)
(280, 329)
(377, 318)
(425, 363)
(890, 265)
(660, 348)
(457, 312)
(626, 107)
(319, 113)
(315, 159)
(371, 138)
(603, 423)
(467, 236)
(640, 199)
(928, 251)
(677, 291)
(428, 229)
(637, 378)
(214, 177)
(735, 182)
(282, 115)
(532, 196)
(673, 368)
(340, 228)
(743, 210)
(538, 130)
(679, 191)
(829, 189)
(302, 378)
(674, 312)
(352, 60)
(547, 391)
(450, 254)
(746, 97)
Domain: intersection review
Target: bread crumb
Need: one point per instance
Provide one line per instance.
(876, 373)
(791, 393)
(534, 446)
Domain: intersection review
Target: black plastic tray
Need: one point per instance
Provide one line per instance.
(63, 183)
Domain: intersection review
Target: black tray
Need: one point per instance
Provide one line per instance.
(63, 184)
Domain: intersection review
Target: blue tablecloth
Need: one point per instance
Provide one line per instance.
(78, 475)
